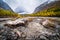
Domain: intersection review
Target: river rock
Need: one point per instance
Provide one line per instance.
(34, 30)
(15, 23)
(48, 24)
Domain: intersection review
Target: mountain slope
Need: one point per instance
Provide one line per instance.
(47, 5)
(4, 5)
(52, 11)
(7, 13)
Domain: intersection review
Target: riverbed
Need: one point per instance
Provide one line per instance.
(30, 28)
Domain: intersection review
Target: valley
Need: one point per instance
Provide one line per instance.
(29, 20)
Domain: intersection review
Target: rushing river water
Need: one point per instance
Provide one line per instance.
(31, 28)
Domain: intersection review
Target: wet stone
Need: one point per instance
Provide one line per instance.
(36, 29)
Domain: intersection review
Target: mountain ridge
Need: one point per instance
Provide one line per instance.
(47, 5)
(4, 5)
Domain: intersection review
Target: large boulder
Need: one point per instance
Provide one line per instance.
(49, 24)
(15, 23)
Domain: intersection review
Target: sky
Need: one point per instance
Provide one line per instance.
(26, 5)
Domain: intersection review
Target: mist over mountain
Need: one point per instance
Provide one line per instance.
(4, 5)
(19, 10)
(26, 6)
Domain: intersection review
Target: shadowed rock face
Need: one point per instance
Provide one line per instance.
(4, 5)
(36, 29)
